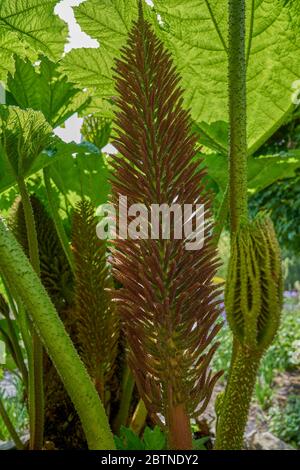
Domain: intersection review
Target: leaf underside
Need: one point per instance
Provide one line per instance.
(29, 27)
(195, 31)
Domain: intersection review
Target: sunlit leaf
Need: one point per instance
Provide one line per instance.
(28, 27)
(195, 31)
(23, 136)
(57, 149)
(43, 88)
(82, 173)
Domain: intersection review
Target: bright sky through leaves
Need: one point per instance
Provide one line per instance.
(77, 39)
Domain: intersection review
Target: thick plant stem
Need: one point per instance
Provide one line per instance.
(10, 427)
(36, 385)
(179, 429)
(19, 272)
(236, 402)
(57, 221)
(237, 114)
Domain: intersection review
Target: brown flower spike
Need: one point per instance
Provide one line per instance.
(96, 320)
(168, 303)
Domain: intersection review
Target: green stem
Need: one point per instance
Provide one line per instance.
(57, 221)
(236, 402)
(237, 114)
(30, 227)
(127, 390)
(21, 317)
(19, 272)
(36, 383)
(18, 353)
(10, 427)
(19, 359)
(23, 322)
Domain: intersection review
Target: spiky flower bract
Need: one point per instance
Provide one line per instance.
(253, 300)
(253, 295)
(168, 303)
(97, 322)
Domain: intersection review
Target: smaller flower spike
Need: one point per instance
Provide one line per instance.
(168, 302)
(97, 322)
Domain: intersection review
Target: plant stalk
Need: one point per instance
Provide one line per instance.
(36, 383)
(236, 402)
(10, 427)
(22, 319)
(237, 115)
(19, 272)
(57, 221)
(17, 352)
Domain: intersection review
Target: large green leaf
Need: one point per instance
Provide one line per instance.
(213, 136)
(86, 68)
(9, 45)
(196, 33)
(56, 150)
(28, 27)
(82, 173)
(108, 21)
(266, 170)
(262, 171)
(41, 87)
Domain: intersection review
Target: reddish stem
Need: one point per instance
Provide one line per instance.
(180, 433)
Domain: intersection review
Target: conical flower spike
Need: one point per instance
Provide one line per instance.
(168, 303)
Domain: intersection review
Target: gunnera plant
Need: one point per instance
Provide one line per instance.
(27, 287)
(253, 296)
(253, 301)
(24, 134)
(168, 303)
